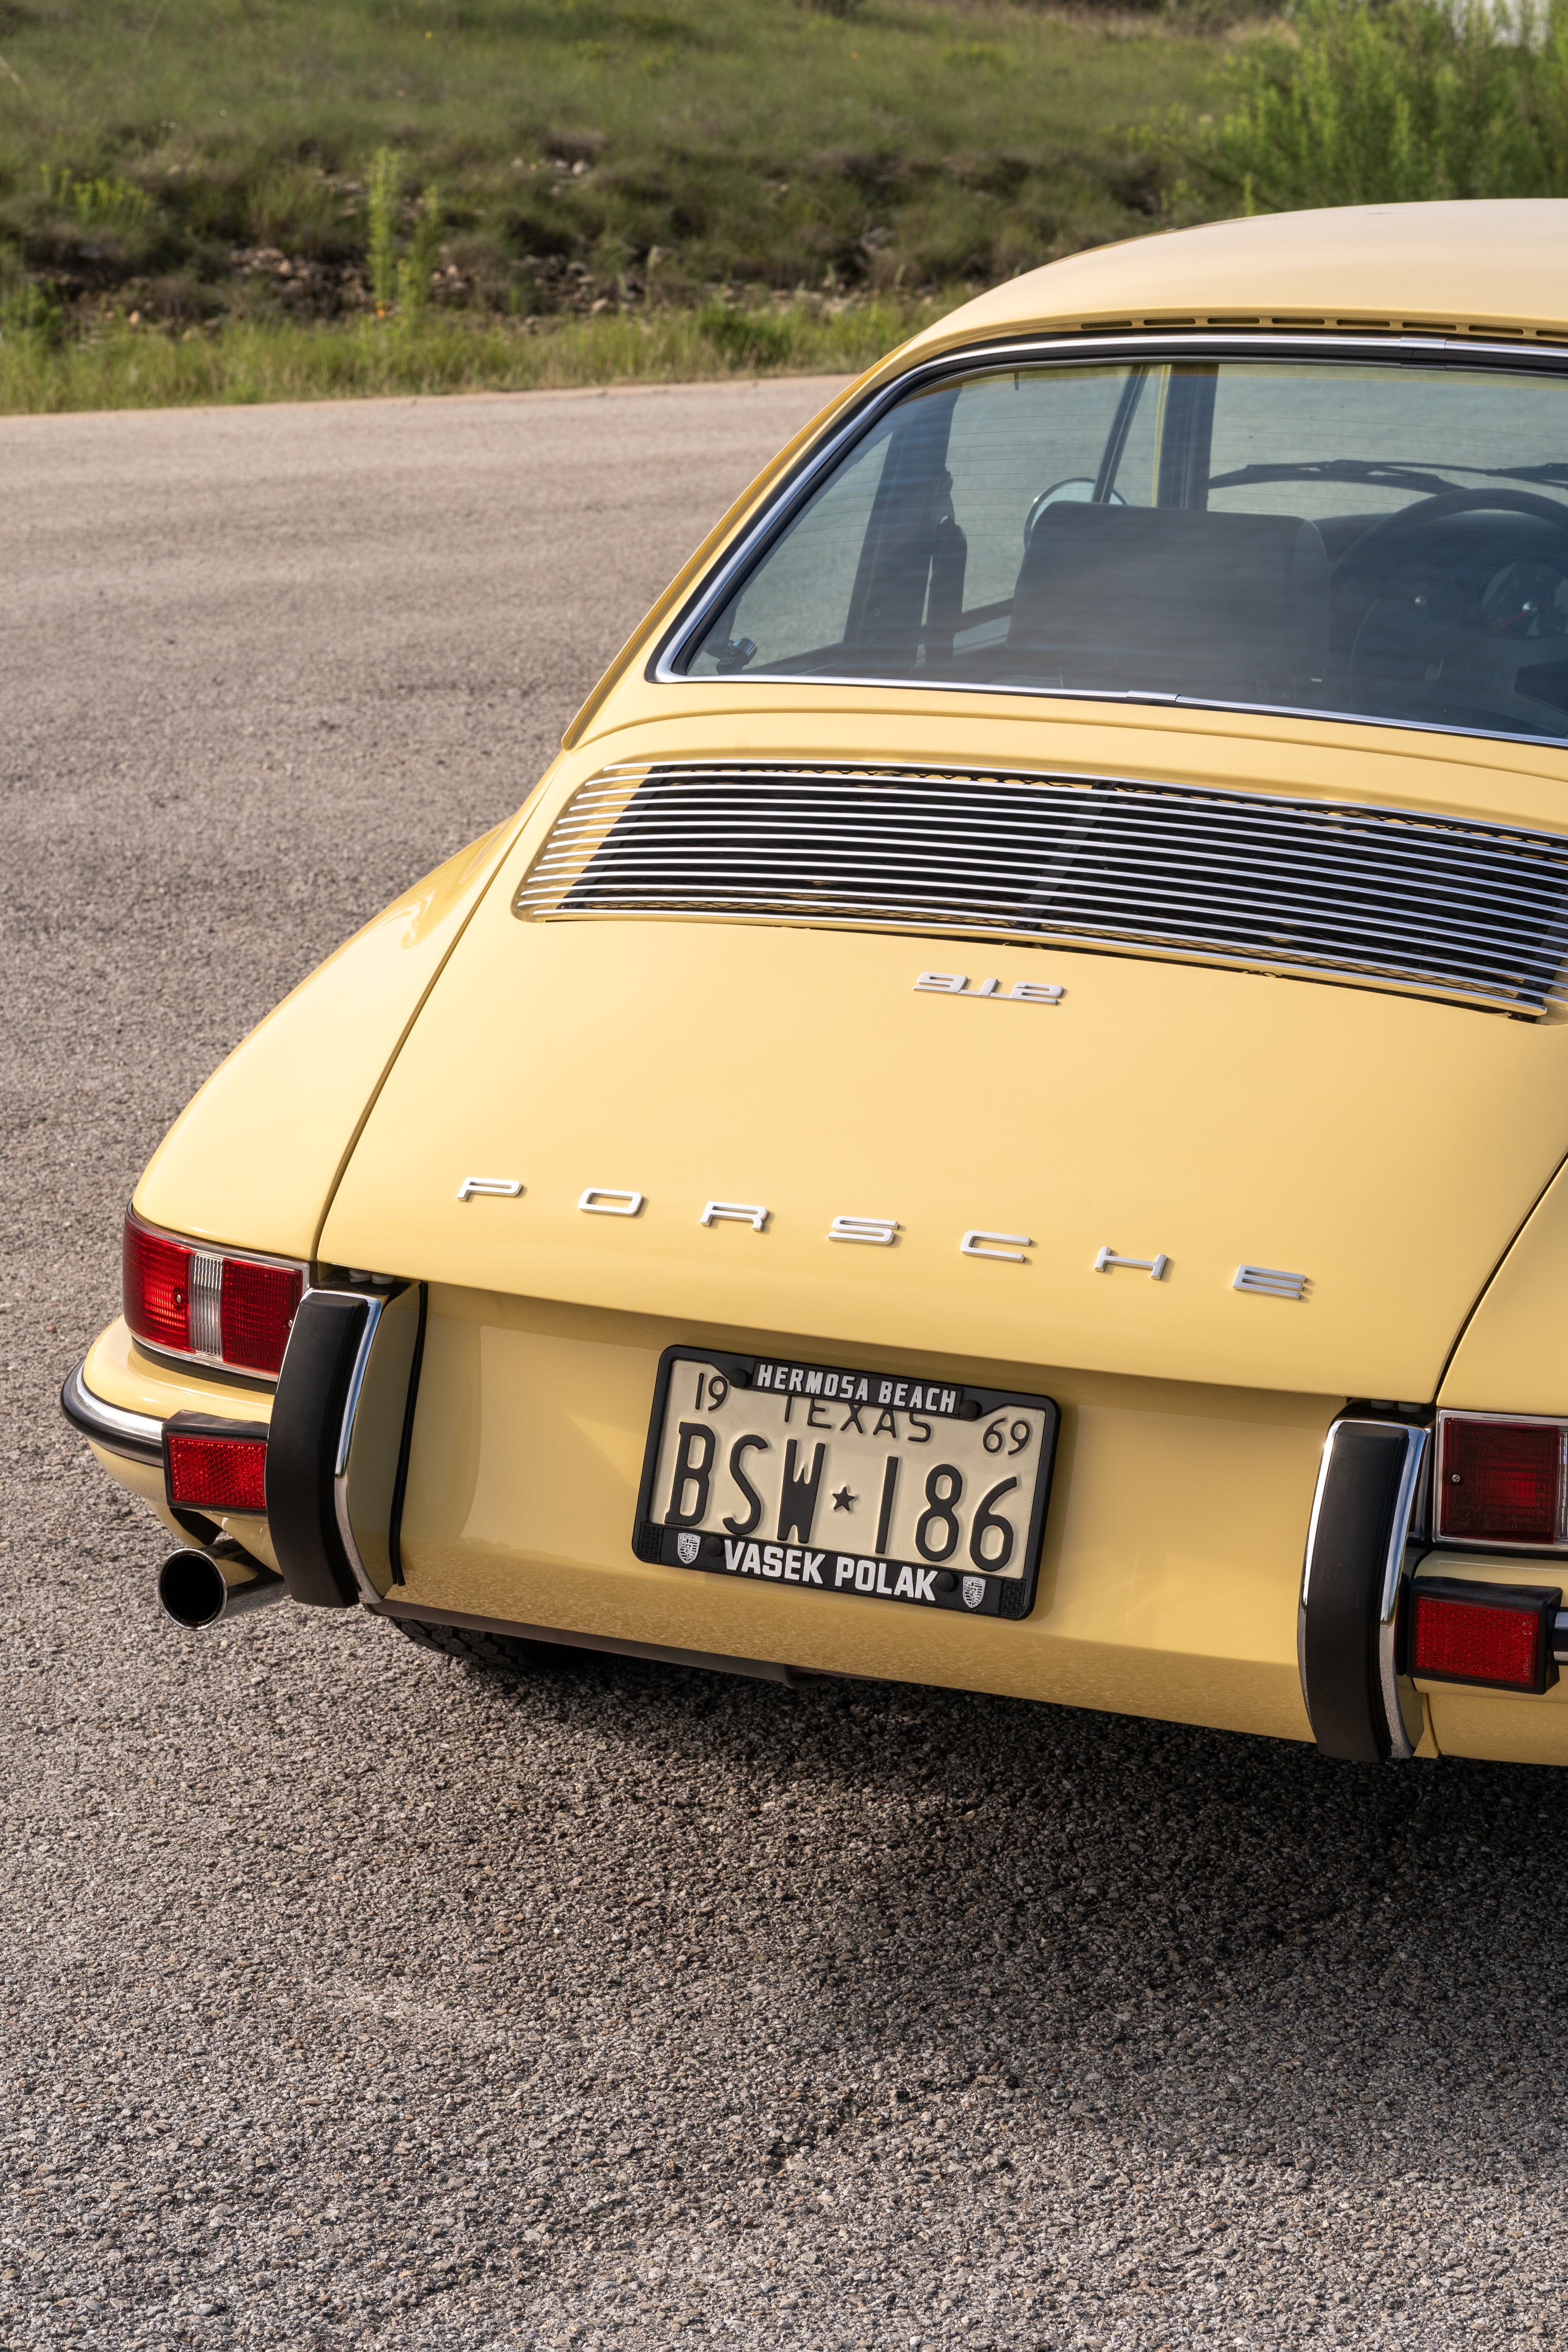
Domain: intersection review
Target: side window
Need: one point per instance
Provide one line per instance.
(796, 603)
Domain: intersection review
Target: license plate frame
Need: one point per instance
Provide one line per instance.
(967, 1587)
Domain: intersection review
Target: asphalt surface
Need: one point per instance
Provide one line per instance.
(353, 1998)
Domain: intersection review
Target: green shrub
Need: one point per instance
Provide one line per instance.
(1352, 104)
(32, 316)
(100, 204)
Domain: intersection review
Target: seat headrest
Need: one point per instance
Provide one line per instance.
(1227, 607)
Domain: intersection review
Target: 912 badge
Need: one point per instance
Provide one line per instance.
(838, 1479)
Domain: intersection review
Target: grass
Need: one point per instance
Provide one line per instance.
(263, 199)
(121, 367)
(472, 165)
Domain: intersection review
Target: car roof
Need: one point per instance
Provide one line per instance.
(1488, 268)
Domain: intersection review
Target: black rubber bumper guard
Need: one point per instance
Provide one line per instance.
(1364, 1514)
(308, 1448)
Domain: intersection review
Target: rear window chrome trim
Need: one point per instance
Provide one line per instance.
(1086, 348)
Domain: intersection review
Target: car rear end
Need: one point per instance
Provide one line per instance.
(996, 1121)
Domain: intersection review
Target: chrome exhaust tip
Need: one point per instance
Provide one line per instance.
(195, 1587)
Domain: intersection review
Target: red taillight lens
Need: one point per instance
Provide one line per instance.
(1499, 1635)
(212, 1473)
(259, 1306)
(1500, 1481)
(204, 1302)
(157, 1288)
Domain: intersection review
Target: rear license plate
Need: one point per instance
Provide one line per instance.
(839, 1480)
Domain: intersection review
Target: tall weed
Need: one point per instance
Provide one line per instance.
(381, 205)
(414, 269)
(1352, 104)
(399, 281)
(826, 148)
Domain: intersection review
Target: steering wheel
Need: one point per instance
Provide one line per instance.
(1411, 522)
(1388, 538)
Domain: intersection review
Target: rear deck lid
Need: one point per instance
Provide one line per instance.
(1310, 1082)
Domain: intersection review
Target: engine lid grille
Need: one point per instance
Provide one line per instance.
(1471, 912)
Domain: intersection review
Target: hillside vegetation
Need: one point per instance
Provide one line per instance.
(197, 163)
(250, 199)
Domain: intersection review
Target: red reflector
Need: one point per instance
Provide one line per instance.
(258, 1304)
(1481, 1645)
(1501, 1635)
(217, 1473)
(157, 1288)
(1498, 1481)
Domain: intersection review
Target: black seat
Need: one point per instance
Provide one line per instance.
(1227, 607)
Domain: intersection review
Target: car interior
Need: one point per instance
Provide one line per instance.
(1400, 587)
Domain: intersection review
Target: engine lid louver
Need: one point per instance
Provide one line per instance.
(1473, 913)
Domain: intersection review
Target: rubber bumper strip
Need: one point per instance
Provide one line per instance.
(1351, 1585)
(302, 1452)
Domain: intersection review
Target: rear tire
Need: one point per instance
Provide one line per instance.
(495, 1653)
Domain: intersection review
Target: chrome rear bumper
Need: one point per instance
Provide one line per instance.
(137, 1435)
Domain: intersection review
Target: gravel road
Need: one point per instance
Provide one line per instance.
(351, 1998)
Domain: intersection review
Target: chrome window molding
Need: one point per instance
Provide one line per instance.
(1079, 348)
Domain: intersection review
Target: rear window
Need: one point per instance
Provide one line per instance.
(1386, 541)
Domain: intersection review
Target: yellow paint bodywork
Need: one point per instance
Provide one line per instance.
(1214, 1116)
(254, 1160)
(1513, 1357)
(1495, 266)
(1391, 1148)
(522, 1491)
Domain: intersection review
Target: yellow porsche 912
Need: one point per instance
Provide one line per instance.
(999, 1117)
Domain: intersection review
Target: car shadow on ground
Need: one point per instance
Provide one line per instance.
(1219, 1944)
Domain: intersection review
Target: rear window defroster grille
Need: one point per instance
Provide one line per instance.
(1440, 906)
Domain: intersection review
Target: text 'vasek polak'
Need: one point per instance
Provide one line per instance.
(783, 1563)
